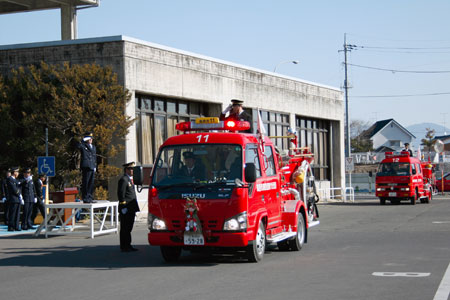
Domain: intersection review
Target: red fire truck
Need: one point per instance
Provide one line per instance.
(403, 177)
(218, 189)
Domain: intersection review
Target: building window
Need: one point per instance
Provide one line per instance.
(276, 124)
(156, 118)
(314, 133)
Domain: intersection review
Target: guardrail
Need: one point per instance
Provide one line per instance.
(337, 193)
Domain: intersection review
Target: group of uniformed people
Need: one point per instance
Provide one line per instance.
(22, 192)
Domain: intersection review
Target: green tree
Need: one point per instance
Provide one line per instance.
(429, 140)
(69, 100)
(359, 142)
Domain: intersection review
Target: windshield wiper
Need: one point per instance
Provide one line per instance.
(195, 185)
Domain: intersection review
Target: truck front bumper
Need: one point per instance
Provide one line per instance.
(212, 239)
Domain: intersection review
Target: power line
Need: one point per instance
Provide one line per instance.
(400, 96)
(404, 48)
(398, 71)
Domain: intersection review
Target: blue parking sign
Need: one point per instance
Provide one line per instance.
(46, 165)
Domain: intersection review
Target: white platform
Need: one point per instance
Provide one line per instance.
(97, 212)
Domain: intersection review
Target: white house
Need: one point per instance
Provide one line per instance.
(388, 135)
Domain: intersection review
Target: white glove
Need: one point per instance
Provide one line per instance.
(3, 200)
(35, 200)
(95, 169)
(124, 210)
(21, 200)
(227, 109)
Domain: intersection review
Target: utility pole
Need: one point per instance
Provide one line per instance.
(348, 151)
(347, 48)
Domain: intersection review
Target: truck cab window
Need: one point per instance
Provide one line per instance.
(251, 156)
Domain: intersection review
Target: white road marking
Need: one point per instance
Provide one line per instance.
(441, 222)
(400, 274)
(444, 288)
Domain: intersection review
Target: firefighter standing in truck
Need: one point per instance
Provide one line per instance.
(237, 113)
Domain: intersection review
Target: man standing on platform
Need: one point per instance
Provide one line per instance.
(14, 199)
(88, 167)
(128, 206)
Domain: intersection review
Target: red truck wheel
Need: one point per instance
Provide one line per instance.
(297, 243)
(170, 254)
(414, 199)
(255, 251)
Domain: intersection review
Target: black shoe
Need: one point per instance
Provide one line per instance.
(10, 229)
(17, 229)
(130, 249)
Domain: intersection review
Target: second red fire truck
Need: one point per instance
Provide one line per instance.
(404, 177)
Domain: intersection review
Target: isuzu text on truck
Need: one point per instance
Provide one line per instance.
(221, 189)
(404, 177)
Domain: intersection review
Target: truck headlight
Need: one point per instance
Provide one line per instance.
(380, 189)
(236, 223)
(405, 189)
(154, 223)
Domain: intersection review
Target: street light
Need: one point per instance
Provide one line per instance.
(284, 62)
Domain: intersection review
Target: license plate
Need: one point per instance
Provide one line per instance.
(393, 194)
(193, 239)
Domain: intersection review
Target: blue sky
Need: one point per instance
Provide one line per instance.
(263, 33)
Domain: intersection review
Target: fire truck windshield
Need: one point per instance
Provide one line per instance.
(197, 166)
(394, 169)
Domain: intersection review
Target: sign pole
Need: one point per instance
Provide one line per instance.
(47, 182)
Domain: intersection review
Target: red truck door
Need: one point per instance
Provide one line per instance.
(271, 187)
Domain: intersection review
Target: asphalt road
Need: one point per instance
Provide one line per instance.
(409, 246)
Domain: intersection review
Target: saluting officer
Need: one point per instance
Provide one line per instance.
(128, 206)
(29, 198)
(236, 113)
(14, 199)
(88, 167)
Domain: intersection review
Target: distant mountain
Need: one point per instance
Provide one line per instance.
(420, 130)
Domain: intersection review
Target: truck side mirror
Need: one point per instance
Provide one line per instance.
(370, 174)
(250, 172)
(138, 175)
(414, 171)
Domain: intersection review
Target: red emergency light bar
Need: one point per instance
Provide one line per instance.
(392, 154)
(220, 125)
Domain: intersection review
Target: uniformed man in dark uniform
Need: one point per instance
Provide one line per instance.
(29, 198)
(39, 205)
(14, 199)
(4, 195)
(88, 167)
(407, 149)
(237, 113)
(128, 206)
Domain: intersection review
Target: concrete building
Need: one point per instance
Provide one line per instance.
(168, 86)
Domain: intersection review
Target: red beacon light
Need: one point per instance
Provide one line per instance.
(212, 123)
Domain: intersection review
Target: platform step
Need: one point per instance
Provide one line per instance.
(280, 237)
(313, 223)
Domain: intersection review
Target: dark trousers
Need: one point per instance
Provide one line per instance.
(14, 214)
(87, 184)
(126, 226)
(39, 205)
(6, 212)
(26, 215)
